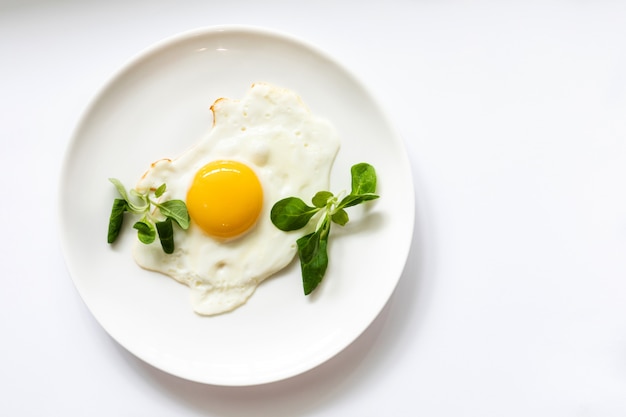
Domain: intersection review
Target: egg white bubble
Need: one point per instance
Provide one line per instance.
(291, 151)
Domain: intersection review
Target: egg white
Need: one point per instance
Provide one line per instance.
(291, 151)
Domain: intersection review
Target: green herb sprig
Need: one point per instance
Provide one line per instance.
(292, 213)
(149, 226)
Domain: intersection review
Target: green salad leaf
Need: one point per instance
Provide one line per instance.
(145, 231)
(116, 220)
(153, 222)
(175, 210)
(166, 235)
(292, 213)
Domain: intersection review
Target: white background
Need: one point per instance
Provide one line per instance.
(513, 300)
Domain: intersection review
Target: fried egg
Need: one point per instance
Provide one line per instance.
(261, 149)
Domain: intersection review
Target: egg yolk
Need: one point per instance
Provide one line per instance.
(225, 198)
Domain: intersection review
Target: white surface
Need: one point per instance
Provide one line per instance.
(513, 301)
(278, 333)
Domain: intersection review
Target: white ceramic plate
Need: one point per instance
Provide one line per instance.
(157, 106)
